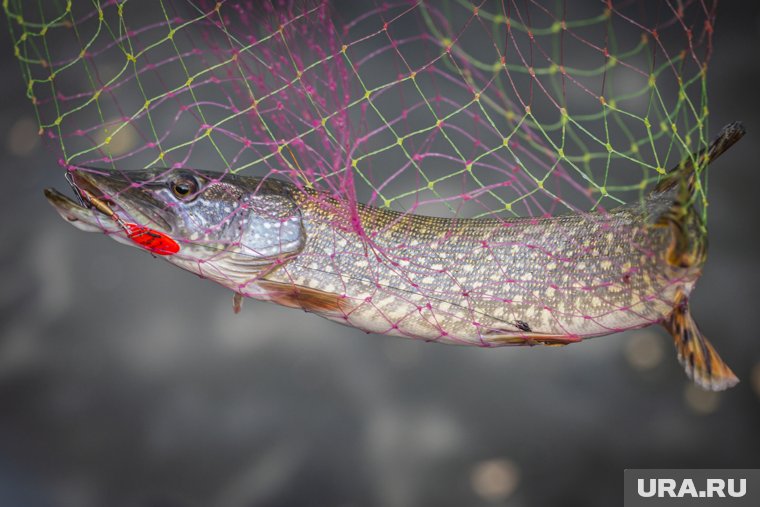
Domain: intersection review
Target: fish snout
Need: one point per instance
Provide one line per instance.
(98, 185)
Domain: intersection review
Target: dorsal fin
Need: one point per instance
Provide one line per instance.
(685, 170)
(675, 195)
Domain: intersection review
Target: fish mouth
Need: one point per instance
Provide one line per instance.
(82, 217)
(86, 186)
(63, 203)
(106, 201)
(95, 211)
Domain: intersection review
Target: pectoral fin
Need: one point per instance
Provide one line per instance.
(311, 300)
(700, 360)
(237, 302)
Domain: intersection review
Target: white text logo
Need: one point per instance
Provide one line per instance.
(714, 488)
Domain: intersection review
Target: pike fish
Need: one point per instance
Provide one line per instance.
(483, 282)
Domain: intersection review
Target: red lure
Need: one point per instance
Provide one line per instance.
(150, 239)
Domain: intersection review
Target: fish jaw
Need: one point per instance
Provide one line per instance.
(110, 188)
(87, 219)
(122, 192)
(84, 219)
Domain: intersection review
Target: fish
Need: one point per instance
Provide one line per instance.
(468, 281)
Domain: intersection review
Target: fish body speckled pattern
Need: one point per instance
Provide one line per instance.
(489, 281)
(482, 282)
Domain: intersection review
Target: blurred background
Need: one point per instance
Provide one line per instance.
(125, 382)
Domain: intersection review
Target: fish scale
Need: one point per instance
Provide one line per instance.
(490, 273)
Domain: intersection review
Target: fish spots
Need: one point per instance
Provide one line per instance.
(455, 274)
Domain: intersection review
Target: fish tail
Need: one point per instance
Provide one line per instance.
(689, 239)
(695, 353)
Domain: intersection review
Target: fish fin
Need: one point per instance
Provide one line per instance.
(688, 246)
(297, 296)
(673, 200)
(237, 302)
(700, 360)
(531, 339)
(685, 171)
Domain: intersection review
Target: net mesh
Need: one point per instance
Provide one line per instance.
(447, 108)
(489, 107)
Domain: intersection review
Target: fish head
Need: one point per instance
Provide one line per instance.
(227, 227)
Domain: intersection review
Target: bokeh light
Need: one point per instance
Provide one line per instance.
(496, 479)
(644, 350)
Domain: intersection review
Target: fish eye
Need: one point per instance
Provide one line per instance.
(184, 187)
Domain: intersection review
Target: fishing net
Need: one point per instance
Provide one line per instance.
(445, 108)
